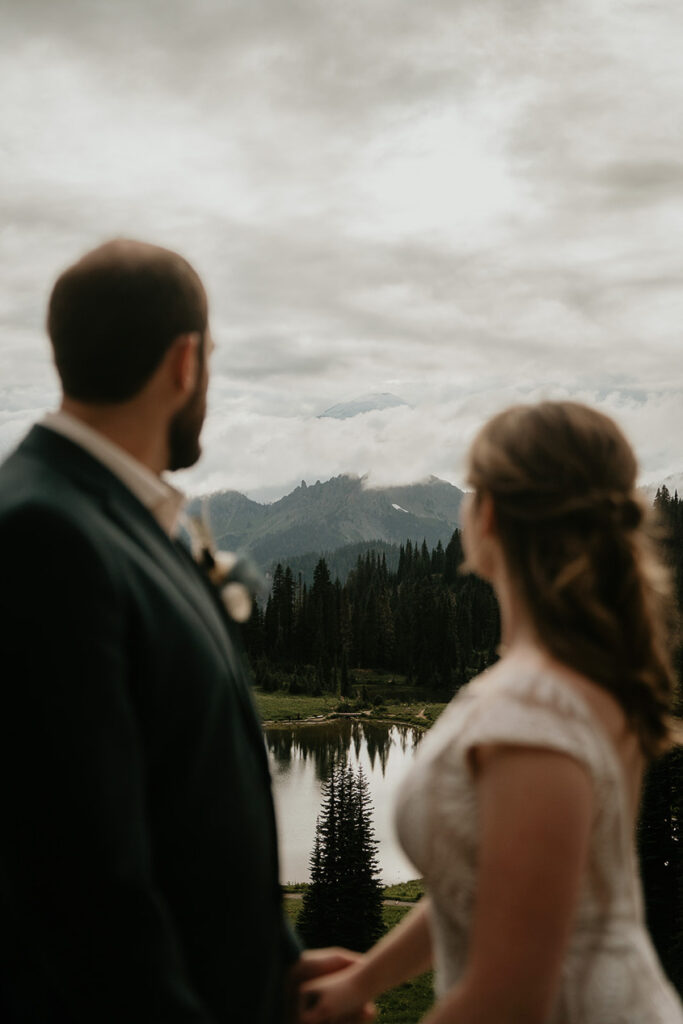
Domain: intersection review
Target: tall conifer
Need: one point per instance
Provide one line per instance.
(343, 904)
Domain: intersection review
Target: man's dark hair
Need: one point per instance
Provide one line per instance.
(113, 315)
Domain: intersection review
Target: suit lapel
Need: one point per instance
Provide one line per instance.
(173, 562)
(143, 528)
(203, 602)
(228, 628)
(202, 599)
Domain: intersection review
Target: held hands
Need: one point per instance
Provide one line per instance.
(328, 988)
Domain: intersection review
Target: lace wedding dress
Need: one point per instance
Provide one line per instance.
(611, 973)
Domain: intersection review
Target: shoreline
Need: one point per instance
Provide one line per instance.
(333, 715)
(389, 902)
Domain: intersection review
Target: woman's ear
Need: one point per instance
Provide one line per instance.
(487, 516)
(483, 553)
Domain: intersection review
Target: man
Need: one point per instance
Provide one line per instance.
(138, 855)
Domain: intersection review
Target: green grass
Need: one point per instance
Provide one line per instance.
(406, 1004)
(286, 707)
(410, 891)
(392, 915)
(293, 909)
(420, 713)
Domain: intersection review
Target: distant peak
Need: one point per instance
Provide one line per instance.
(374, 401)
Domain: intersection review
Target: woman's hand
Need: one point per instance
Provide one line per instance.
(337, 997)
(349, 982)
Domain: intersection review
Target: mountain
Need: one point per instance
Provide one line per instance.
(326, 516)
(365, 403)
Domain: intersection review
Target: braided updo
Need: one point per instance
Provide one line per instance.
(579, 540)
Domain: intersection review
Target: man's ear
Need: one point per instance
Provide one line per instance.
(184, 367)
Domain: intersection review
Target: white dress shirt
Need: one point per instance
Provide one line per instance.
(163, 501)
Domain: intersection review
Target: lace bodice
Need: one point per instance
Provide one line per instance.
(611, 973)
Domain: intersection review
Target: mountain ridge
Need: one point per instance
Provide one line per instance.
(326, 516)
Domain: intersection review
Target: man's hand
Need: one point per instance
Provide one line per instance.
(313, 963)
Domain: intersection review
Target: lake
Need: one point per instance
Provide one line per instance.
(301, 757)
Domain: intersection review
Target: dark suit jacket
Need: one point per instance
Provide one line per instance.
(138, 855)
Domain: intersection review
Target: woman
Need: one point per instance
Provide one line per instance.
(521, 806)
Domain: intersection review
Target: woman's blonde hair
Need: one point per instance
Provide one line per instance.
(581, 543)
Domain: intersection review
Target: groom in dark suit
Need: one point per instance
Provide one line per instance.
(138, 854)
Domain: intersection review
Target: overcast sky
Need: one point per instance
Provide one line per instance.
(466, 203)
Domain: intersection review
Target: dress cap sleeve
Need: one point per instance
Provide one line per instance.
(540, 713)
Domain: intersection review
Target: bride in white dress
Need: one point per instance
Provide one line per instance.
(520, 809)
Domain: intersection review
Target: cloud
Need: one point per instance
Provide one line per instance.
(461, 203)
(266, 455)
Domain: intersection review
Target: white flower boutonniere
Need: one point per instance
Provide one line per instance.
(236, 578)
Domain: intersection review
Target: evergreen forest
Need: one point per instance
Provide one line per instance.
(424, 621)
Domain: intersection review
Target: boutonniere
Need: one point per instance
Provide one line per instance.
(236, 578)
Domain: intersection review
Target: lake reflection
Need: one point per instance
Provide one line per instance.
(301, 758)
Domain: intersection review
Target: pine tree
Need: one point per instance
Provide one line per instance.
(318, 911)
(344, 685)
(453, 559)
(438, 558)
(364, 891)
(343, 904)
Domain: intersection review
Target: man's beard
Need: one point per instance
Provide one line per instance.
(184, 430)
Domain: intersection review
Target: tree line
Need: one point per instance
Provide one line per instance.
(424, 620)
